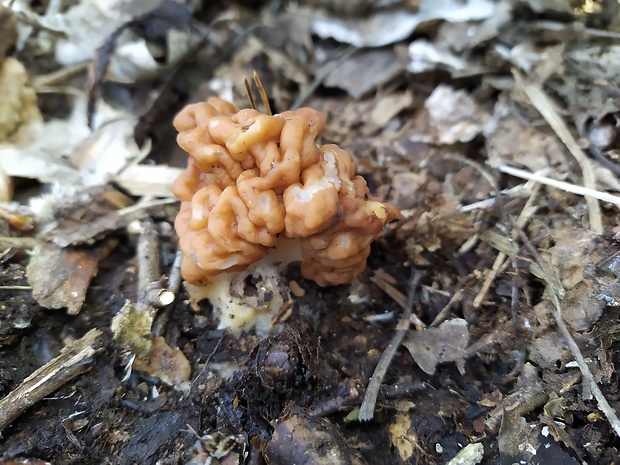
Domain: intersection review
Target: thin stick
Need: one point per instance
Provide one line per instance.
(565, 186)
(397, 297)
(520, 190)
(151, 294)
(174, 284)
(174, 281)
(367, 409)
(587, 375)
(547, 109)
(263, 94)
(72, 361)
(248, 90)
(443, 314)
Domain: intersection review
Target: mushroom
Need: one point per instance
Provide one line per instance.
(254, 179)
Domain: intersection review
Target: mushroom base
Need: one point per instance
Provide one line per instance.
(251, 298)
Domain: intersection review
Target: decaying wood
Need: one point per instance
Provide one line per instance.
(73, 360)
(151, 294)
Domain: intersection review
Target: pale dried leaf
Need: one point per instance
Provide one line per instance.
(601, 62)
(67, 151)
(149, 180)
(516, 143)
(88, 24)
(549, 350)
(387, 27)
(385, 108)
(133, 61)
(402, 435)
(166, 363)
(6, 187)
(454, 115)
(364, 71)
(426, 56)
(446, 343)
(18, 105)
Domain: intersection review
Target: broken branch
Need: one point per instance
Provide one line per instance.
(72, 361)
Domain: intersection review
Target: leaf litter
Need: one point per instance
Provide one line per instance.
(493, 126)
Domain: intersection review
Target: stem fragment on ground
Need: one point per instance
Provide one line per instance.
(72, 361)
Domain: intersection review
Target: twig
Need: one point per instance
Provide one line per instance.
(367, 408)
(547, 109)
(565, 186)
(174, 284)
(520, 190)
(56, 77)
(207, 361)
(486, 174)
(588, 377)
(379, 280)
(528, 209)
(151, 294)
(145, 206)
(72, 361)
(603, 160)
(174, 281)
(557, 26)
(443, 314)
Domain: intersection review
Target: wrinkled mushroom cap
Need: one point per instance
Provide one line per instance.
(252, 178)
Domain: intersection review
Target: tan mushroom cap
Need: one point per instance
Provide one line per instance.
(253, 177)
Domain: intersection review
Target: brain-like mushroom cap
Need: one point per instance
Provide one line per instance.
(253, 177)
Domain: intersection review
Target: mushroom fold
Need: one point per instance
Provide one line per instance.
(252, 178)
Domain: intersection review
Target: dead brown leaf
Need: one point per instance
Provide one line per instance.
(61, 277)
(445, 343)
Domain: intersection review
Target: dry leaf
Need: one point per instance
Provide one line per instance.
(433, 346)
(18, 105)
(511, 140)
(364, 71)
(61, 277)
(66, 151)
(402, 435)
(387, 27)
(168, 364)
(132, 330)
(454, 115)
(549, 350)
(426, 56)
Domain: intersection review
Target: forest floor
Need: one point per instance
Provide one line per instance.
(485, 327)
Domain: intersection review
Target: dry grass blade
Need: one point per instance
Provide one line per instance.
(565, 186)
(547, 109)
(248, 91)
(263, 94)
